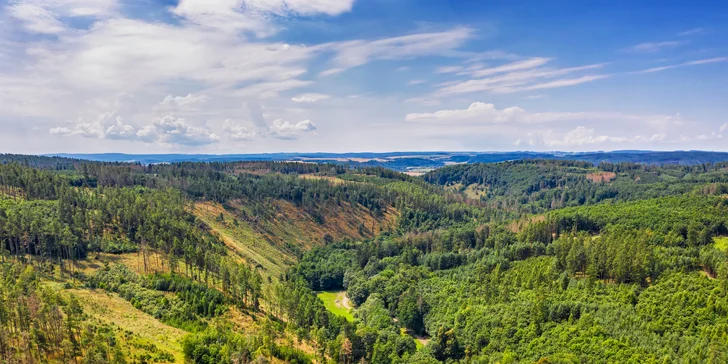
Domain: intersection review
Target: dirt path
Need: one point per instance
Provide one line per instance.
(342, 300)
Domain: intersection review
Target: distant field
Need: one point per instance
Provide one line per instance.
(721, 242)
(337, 303)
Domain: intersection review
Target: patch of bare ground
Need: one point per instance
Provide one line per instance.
(330, 179)
(517, 225)
(598, 177)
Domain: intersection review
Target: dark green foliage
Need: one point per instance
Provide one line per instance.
(220, 345)
(534, 186)
(37, 323)
(187, 309)
(614, 268)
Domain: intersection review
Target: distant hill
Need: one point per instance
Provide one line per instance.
(418, 161)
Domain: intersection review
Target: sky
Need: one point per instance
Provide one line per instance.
(256, 76)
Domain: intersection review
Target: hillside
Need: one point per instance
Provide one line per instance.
(274, 243)
(529, 261)
(154, 267)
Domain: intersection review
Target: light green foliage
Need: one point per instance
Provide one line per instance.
(334, 302)
(721, 243)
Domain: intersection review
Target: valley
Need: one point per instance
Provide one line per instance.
(524, 261)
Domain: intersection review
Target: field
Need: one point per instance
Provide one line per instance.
(337, 303)
(721, 242)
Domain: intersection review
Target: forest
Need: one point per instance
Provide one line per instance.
(529, 261)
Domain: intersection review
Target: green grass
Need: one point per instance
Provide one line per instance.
(721, 242)
(334, 306)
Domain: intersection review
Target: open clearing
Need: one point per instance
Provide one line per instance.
(721, 243)
(112, 309)
(337, 303)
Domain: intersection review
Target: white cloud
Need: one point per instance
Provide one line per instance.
(653, 46)
(582, 136)
(301, 7)
(37, 19)
(684, 64)
(515, 66)
(176, 131)
(239, 132)
(310, 98)
(358, 52)
(415, 82)
(283, 129)
(521, 80)
(554, 84)
(449, 69)
(694, 31)
(723, 128)
(251, 15)
(96, 129)
(121, 131)
(480, 112)
(168, 130)
(190, 99)
(331, 72)
(45, 16)
(533, 97)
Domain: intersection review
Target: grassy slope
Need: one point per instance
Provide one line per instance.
(111, 308)
(244, 242)
(138, 330)
(272, 244)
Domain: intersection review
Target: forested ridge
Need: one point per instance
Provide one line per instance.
(525, 261)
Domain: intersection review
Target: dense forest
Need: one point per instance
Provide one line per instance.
(515, 262)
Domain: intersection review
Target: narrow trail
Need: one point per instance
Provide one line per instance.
(342, 300)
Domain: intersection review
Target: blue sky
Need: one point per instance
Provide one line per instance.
(250, 76)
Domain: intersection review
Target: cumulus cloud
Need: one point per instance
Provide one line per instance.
(310, 98)
(168, 130)
(95, 129)
(121, 131)
(190, 99)
(488, 113)
(283, 129)
(176, 131)
(239, 132)
(582, 136)
(477, 110)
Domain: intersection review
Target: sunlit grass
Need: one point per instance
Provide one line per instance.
(333, 303)
(721, 242)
